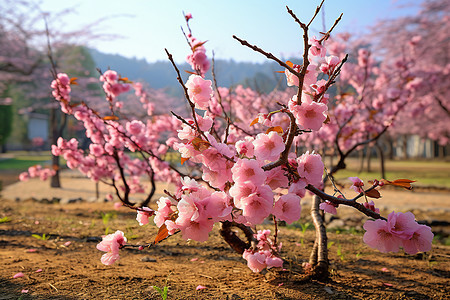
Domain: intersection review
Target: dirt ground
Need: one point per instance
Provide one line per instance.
(74, 271)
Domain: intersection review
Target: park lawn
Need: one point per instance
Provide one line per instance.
(425, 173)
(23, 162)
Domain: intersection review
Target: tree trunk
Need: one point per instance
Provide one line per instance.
(405, 147)
(368, 157)
(381, 156)
(235, 241)
(55, 182)
(390, 145)
(361, 160)
(441, 152)
(319, 255)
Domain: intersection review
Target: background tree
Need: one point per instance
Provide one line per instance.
(421, 48)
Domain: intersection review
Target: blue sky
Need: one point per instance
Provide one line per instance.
(147, 27)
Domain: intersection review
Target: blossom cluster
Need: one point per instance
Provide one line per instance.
(37, 171)
(61, 91)
(111, 139)
(113, 85)
(400, 230)
(239, 144)
(263, 257)
(197, 59)
(111, 244)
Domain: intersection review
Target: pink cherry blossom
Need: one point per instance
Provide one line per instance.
(328, 207)
(310, 167)
(309, 115)
(143, 214)
(298, 187)
(402, 225)
(199, 91)
(217, 179)
(357, 184)
(268, 146)
(258, 206)
(135, 127)
(420, 240)
(276, 178)
(331, 63)
(317, 49)
(379, 236)
(255, 261)
(371, 205)
(265, 119)
(273, 262)
(109, 76)
(197, 230)
(111, 244)
(246, 147)
(242, 190)
(164, 211)
(248, 170)
(218, 206)
(24, 176)
(287, 208)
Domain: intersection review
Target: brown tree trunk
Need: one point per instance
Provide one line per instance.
(369, 157)
(235, 241)
(55, 182)
(361, 160)
(319, 255)
(405, 147)
(381, 156)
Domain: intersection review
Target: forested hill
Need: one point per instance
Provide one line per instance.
(160, 74)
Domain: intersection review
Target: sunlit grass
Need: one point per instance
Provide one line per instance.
(22, 162)
(426, 173)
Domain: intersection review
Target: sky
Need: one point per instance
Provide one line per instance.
(145, 27)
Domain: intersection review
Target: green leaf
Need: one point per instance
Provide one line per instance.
(5, 220)
(329, 245)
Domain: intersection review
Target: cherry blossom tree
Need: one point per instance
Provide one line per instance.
(249, 167)
(424, 56)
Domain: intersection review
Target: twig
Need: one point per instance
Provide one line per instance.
(266, 54)
(186, 94)
(349, 202)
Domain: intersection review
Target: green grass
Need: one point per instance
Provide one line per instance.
(23, 162)
(426, 173)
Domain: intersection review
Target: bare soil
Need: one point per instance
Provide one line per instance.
(74, 271)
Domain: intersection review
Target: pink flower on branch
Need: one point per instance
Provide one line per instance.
(308, 115)
(268, 146)
(310, 167)
(357, 184)
(379, 236)
(400, 230)
(199, 91)
(371, 205)
(329, 207)
(143, 214)
(317, 49)
(111, 244)
(420, 240)
(287, 208)
(248, 170)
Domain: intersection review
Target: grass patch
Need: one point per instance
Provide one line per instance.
(24, 162)
(426, 173)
